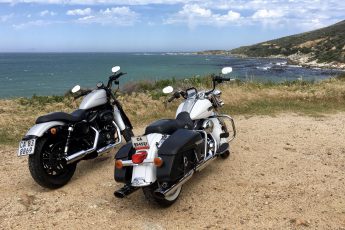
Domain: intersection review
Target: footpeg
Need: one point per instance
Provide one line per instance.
(125, 191)
(224, 135)
(224, 147)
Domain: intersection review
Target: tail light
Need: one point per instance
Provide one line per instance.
(139, 157)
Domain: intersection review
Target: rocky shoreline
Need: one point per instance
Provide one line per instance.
(304, 60)
(308, 60)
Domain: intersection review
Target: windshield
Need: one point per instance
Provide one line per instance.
(191, 92)
(188, 104)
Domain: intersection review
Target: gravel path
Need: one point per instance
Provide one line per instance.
(285, 172)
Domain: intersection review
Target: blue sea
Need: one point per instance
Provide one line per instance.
(25, 74)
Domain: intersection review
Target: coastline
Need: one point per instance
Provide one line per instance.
(294, 59)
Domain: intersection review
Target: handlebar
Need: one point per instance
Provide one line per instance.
(220, 79)
(83, 93)
(177, 94)
(116, 76)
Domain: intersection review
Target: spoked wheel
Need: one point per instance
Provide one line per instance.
(161, 201)
(47, 165)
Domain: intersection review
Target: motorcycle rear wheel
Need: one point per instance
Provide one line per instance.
(46, 165)
(163, 202)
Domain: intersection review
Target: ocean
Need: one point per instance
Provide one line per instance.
(25, 74)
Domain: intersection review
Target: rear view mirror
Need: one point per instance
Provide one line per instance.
(115, 69)
(226, 70)
(168, 89)
(75, 89)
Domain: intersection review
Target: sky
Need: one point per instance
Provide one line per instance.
(156, 25)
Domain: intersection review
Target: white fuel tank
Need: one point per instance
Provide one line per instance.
(95, 98)
(198, 109)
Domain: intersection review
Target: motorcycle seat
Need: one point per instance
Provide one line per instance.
(169, 126)
(76, 116)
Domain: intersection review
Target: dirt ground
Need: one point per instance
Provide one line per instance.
(285, 172)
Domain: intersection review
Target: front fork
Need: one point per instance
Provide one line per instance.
(118, 118)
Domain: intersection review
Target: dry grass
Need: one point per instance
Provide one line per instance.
(18, 115)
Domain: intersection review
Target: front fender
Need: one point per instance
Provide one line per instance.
(39, 129)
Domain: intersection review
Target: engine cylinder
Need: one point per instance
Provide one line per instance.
(207, 126)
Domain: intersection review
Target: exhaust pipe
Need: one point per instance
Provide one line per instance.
(105, 149)
(164, 192)
(78, 155)
(125, 191)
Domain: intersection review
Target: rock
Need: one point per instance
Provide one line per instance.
(300, 222)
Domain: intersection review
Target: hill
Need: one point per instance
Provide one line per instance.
(324, 47)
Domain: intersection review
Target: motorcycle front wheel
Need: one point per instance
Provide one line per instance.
(47, 166)
(163, 202)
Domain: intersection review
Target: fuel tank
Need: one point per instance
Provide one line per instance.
(197, 108)
(95, 98)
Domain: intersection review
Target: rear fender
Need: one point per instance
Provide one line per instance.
(145, 174)
(39, 129)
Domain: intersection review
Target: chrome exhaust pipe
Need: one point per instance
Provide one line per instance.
(105, 149)
(162, 192)
(78, 155)
(125, 191)
(205, 163)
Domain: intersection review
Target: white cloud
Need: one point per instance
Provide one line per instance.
(268, 14)
(5, 18)
(100, 2)
(47, 12)
(30, 24)
(195, 15)
(79, 12)
(117, 16)
(306, 14)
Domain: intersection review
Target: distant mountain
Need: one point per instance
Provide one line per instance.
(324, 47)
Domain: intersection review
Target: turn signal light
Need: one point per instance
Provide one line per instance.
(139, 157)
(158, 161)
(53, 131)
(118, 164)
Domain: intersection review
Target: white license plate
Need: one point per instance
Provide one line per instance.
(140, 143)
(26, 147)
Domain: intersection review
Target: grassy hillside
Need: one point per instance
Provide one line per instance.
(143, 102)
(323, 45)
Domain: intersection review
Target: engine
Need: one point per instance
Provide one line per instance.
(106, 127)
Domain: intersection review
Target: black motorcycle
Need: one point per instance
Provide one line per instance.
(60, 140)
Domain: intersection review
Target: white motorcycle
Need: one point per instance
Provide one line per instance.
(172, 150)
(60, 140)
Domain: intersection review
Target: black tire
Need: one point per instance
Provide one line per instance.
(153, 198)
(225, 155)
(127, 134)
(38, 168)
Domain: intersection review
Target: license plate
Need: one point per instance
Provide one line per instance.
(140, 143)
(26, 147)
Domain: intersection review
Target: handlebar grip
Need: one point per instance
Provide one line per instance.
(171, 99)
(83, 93)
